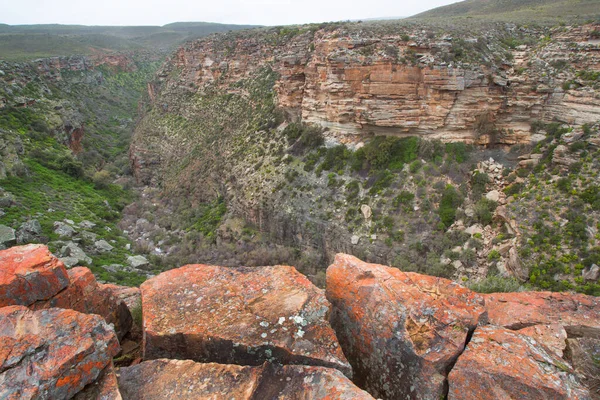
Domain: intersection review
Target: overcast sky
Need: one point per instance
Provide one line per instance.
(155, 12)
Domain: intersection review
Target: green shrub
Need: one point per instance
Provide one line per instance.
(493, 255)
(484, 210)
(101, 179)
(513, 189)
(450, 201)
(496, 284)
(404, 198)
(479, 183)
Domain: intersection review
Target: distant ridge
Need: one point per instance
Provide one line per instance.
(517, 10)
(26, 42)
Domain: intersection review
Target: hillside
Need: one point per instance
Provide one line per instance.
(27, 42)
(375, 139)
(523, 11)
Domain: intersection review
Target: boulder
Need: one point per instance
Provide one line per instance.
(502, 364)
(131, 296)
(7, 236)
(366, 211)
(73, 255)
(29, 232)
(554, 336)
(63, 230)
(32, 226)
(400, 331)
(240, 316)
(577, 313)
(106, 387)
(494, 195)
(51, 354)
(85, 295)
(584, 355)
(139, 262)
(30, 273)
(591, 273)
(178, 379)
(85, 224)
(102, 246)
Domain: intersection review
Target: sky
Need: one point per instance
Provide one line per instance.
(155, 12)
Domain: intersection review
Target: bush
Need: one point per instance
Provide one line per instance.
(101, 179)
(484, 210)
(479, 183)
(404, 198)
(450, 201)
(497, 284)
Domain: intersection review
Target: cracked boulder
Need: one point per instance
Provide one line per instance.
(30, 273)
(51, 354)
(577, 313)
(400, 331)
(106, 387)
(240, 316)
(502, 364)
(85, 295)
(178, 379)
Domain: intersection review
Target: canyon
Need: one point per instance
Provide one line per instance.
(390, 209)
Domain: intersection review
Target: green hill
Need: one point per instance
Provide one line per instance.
(26, 42)
(539, 11)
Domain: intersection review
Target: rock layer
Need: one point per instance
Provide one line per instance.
(238, 316)
(502, 364)
(160, 379)
(400, 331)
(51, 353)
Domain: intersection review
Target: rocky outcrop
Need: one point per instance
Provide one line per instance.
(85, 295)
(402, 332)
(240, 316)
(502, 364)
(30, 273)
(51, 353)
(578, 314)
(106, 387)
(160, 379)
(33, 277)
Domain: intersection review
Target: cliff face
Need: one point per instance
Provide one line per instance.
(358, 82)
(217, 117)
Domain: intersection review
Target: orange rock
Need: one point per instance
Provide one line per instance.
(502, 364)
(176, 379)
(577, 313)
(238, 316)
(106, 387)
(51, 354)
(28, 274)
(400, 331)
(552, 336)
(132, 296)
(84, 294)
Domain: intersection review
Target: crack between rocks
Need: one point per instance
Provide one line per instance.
(451, 365)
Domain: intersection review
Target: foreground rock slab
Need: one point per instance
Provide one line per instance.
(502, 364)
(51, 354)
(84, 294)
(242, 316)
(400, 331)
(28, 274)
(577, 313)
(106, 387)
(178, 379)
